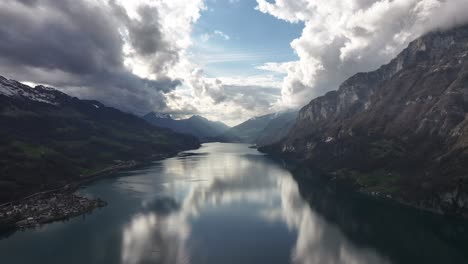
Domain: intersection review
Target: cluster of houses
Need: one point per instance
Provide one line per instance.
(46, 208)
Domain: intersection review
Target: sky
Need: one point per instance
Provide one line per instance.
(227, 60)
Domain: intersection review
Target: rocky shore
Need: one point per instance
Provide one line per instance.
(45, 208)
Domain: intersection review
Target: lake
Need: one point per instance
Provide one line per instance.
(227, 203)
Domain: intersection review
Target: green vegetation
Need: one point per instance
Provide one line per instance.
(380, 180)
(57, 145)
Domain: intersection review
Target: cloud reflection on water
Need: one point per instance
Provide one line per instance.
(231, 174)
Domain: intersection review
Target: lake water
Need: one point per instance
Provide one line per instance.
(226, 203)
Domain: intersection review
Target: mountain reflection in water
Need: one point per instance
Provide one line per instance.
(227, 203)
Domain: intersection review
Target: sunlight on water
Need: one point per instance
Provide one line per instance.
(227, 203)
(232, 175)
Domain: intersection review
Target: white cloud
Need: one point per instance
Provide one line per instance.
(175, 19)
(225, 98)
(221, 56)
(263, 80)
(144, 52)
(216, 33)
(282, 68)
(228, 99)
(341, 38)
(221, 34)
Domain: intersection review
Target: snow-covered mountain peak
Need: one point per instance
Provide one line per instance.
(16, 89)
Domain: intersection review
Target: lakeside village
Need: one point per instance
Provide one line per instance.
(45, 208)
(56, 205)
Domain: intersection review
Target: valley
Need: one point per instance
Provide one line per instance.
(234, 132)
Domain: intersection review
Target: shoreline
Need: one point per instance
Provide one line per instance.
(63, 203)
(438, 204)
(46, 208)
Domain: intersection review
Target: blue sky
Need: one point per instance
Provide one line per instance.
(249, 39)
(202, 57)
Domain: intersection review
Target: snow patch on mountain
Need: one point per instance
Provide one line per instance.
(16, 89)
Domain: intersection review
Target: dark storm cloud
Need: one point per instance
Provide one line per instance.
(145, 35)
(146, 38)
(28, 2)
(70, 43)
(66, 35)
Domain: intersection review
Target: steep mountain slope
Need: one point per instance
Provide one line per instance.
(197, 126)
(277, 128)
(401, 130)
(48, 139)
(261, 130)
(248, 131)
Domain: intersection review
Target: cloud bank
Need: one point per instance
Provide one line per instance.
(112, 51)
(341, 38)
(135, 54)
(130, 54)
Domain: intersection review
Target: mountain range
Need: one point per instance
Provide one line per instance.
(262, 130)
(399, 131)
(197, 126)
(49, 139)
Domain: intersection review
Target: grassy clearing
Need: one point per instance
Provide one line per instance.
(380, 180)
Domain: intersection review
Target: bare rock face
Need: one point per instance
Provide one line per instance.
(409, 118)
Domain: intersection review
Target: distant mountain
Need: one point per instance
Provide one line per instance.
(277, 128)
(197, 126)
(401, 130)
(48, 139)
(261, 130)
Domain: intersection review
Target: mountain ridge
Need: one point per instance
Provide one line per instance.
(401, 130)
(261, 130)
(49, 139)
(196, 125)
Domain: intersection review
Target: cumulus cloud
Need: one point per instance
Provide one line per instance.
(204, 87)
(228, 99)
(135, 55)
(254, 98)
(132, 55)
(341, 38)
(118, 52)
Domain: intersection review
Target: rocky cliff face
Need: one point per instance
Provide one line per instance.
(402, 129)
